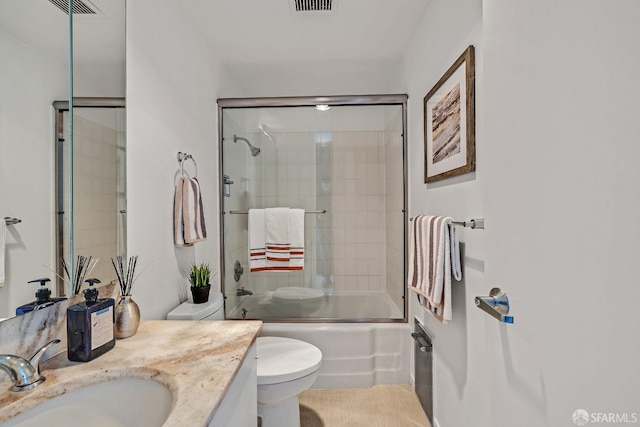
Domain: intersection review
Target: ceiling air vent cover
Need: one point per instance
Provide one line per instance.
(313, 5)
(79, 7)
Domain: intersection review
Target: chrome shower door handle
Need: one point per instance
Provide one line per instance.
(496, 304)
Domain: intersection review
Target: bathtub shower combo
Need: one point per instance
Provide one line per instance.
(341, 160)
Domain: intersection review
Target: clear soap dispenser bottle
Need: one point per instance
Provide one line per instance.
(90, 326)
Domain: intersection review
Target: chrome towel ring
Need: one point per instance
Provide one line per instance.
(181, 158)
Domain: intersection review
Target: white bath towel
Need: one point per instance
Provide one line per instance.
(257, 239)
(434, 257)
(188, 213)
(278, 238)
(296, 231)
(3, 245)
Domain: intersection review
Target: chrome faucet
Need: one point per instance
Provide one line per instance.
(24, 374)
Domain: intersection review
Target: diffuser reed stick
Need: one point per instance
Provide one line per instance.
(125, 273)
(84, 265)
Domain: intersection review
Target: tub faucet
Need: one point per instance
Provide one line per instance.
(24, 374)
(242, 292)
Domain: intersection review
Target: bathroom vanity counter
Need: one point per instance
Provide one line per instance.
(196, 360)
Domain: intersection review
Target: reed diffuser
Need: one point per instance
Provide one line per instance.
(127, 312)
(84, 265)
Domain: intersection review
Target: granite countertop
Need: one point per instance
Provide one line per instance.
(196, 360)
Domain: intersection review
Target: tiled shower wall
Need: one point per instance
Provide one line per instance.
(293, 172)
(359, 235)
(98, 191)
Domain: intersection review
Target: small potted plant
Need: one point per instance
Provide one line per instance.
(199, 278)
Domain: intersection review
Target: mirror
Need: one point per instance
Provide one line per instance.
(34, 44)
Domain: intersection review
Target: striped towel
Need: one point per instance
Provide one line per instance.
(434, 256)
(189, 225)
(278, 239)
(257, 259)
(296, 231)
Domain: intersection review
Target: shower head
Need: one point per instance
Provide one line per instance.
(254, 150)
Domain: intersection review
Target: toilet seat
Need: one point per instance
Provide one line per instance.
(285, 359)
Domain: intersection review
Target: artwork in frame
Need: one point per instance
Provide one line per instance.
(449, 122)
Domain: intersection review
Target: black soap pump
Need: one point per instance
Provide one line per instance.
(90, 326)
(43, 294)
(43, 298)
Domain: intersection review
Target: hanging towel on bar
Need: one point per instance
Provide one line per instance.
(296, 231)
(434, 257)
(189, 225)
(3, 248)
(278, 238)
(257, 260)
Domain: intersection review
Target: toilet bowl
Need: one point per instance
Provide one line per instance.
(286, 368)
(295, 301)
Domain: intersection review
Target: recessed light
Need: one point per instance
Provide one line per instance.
(322, 107)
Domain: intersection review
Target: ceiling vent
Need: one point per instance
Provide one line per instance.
(313, 5)
(79, 7)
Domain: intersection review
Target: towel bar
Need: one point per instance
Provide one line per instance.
(474, 224)
(12, 221)
(306, 212)
(496, 304)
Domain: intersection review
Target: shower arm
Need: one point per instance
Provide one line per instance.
(254, 150)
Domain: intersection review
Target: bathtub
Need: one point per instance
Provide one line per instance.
(354, 355)
(342, 306)
(360, 348)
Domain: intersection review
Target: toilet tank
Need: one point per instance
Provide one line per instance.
(210, 310)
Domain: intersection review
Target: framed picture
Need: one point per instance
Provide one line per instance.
(450, 122)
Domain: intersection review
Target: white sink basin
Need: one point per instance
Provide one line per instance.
(122, 403)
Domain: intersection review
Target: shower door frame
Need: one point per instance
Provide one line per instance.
(312, 101)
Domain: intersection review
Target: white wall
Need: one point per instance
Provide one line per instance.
(556, 171)
(29, 83)
(446, 31)
(173, 82)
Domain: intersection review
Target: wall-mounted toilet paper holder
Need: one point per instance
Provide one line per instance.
(496, 304)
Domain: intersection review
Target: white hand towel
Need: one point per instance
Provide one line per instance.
(296, 231)
(278, 239)
(257, 258)
(3, 244)
(434, 256)
(193, 212)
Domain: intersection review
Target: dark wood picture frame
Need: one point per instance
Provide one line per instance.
(450, 122)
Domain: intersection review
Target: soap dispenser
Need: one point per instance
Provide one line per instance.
(90, 326)
(43, 298)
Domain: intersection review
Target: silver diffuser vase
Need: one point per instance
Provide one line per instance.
(127, 317)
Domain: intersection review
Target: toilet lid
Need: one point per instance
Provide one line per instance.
(285, 359)
(191, 311)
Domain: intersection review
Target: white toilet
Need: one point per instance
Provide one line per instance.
(286, 367)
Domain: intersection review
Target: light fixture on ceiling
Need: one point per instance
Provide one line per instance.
(322, 107)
